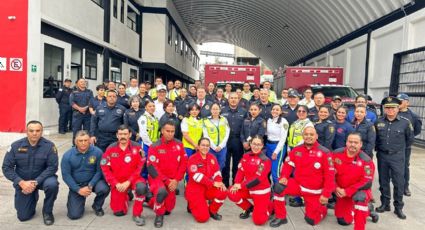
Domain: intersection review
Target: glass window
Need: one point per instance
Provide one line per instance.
(53, 70)
(122, 10)
(116, 71)
(132, 19)
(176, 42)
(115, 8)
(133, 73)
(91, 65)
(181, 45)
(170, 32)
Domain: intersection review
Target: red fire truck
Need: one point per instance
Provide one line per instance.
(236, 75)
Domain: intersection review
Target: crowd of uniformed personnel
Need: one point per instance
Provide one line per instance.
(139, 141)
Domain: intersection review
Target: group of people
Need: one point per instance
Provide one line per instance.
(139, 143)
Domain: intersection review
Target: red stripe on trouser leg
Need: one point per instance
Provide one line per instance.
(119, 201)
(240, 198)
(261, 213)
(217, 198)
(313, 208)
(344, 209)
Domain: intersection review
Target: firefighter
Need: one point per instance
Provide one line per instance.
(121, 165)
(252, 182)
(217, 130)
(354, 177)
(314, 180)
(253, 125)
(166, 167)
(325, 128)
(205, 191)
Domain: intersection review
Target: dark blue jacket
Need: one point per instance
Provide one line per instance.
(326, 133)
(130, 119)
(368, 133)
(370, 115)
(235, 118)
(250, 128)
(341, 133)
(62, 96)
(289, 114)
(81, 169)
(106, 119)
(414, 119)
(81, 98)
(26, 162)
(123, 101)
(95, 102)
(393, 136)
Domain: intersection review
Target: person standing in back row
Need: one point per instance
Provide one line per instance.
(65, 109)
(79, 100)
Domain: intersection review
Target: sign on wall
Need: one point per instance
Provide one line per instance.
(16, 64)
(3, 64)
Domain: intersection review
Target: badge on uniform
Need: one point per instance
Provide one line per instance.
(264, 124)
(114, 155)
(103, 161)
(319, 153)
(134, 151)
(127, 159)
(331, 129)
(142, 122)
(22, 149)
(317, 165)
(298, 154)
(92, 160)
(212, 130)
(131, 113)
(331, 163)
(180, 117)
(207, 107)
(381, 125)
(338, 161)
(193, 168)
(212, 162)
(285, 126)
(260, 167)
(367, 169)
(161, 151)
(359, 163)
(152, 158)
(119, 111)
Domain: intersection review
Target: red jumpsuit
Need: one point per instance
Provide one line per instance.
(167, 161)
(355, 176)
(119, 166)
(199, 189)
(314, 176)
(253, 173)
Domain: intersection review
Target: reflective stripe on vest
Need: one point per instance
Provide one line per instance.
(194, 131)
(295, 133)
(216, 133)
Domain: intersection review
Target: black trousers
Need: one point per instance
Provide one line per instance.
(234, 154)
(391, 167)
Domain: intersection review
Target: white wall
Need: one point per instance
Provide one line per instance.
(404, 34)
(83, 15)
(154, 38)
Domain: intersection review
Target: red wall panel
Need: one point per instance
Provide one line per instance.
(13, 44)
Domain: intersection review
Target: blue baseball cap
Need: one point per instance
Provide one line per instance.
(403, 96)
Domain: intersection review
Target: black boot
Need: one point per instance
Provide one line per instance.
(216, 216)
(383, 208)
(245, 214)
(372, 213)
(159, 221)
(48, 218)
(399, 213)
(277, 222)
(407, 192)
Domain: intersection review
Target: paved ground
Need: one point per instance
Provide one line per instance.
(180, 219)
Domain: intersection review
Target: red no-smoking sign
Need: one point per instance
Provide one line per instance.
(16, 64)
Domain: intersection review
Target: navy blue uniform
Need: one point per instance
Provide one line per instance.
(222, 102)
(80, 170)
(39, 163)
(417, 128)
(341, 133)
(325, 132)
(235, 118)
(313, 114)
(210, 96)
(205, 109)
(182, 106)
(266, 110)
(80, 120)
(123, 101)
(65, 109)
(250, 128)
(289, 114)
(174, 118)
(243, 103)
(370, 115)
(392, 138)
(105, 123)
(368, 133)
(144, 100)
(130, 119)
(95, 102)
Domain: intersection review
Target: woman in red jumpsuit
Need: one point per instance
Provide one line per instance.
(205, 191)
(252, 182)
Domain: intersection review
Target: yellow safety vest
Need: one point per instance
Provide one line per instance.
(247, 96)
(173, 94)
(195, 131)
(216, 133)
(152, 94)
(272, 96)
(295, 135)
(152, 127)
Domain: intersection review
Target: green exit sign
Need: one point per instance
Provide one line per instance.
(33, 68)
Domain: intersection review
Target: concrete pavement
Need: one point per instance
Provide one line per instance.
(180, 219)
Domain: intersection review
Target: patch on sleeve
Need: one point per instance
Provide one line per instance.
(331, 163)
(103, 161)
(331, 129)
(286, 126)
(264, 124)
(54, 149)
(367, 170)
